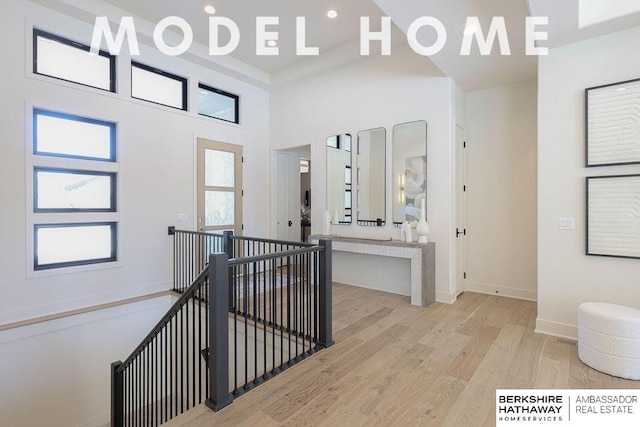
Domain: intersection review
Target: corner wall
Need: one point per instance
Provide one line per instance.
(566, 276)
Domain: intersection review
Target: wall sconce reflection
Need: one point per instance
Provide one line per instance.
(402, 196)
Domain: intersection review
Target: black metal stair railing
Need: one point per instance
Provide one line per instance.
(255, 309)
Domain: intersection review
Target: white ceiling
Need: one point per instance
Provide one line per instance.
(338, 39)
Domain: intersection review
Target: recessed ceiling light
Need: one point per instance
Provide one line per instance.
(272, 43)
(332, 13)
(210, 9)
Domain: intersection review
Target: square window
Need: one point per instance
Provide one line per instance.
(62, 190)
(65, 245)
(218, 104)
(63, 135)
(65, 59)
(157, 86)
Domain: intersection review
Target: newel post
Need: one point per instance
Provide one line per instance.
(219, 332)
(325, 330)
(230, 249)
(117, 395)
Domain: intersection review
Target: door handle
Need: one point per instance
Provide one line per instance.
(463, 232)
(290, 223)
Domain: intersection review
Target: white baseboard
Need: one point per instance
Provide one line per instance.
(502, 291)
(446, 297)
(561, 330)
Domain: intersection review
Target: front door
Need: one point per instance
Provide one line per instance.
(219, 186)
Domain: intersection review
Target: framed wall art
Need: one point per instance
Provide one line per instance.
(612, 124)
(613, 216)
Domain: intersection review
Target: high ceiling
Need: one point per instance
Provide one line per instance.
(342, 34)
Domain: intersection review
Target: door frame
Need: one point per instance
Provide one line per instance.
(297, 151)
(460, 223)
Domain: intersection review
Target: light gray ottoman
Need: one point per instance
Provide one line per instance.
(609, 338)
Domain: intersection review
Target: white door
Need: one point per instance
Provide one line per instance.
(219, 186)
(287, 196)
(461, 227)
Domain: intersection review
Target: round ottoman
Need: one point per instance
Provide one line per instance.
(609, 338)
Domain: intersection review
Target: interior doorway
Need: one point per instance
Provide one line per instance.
(292, 193)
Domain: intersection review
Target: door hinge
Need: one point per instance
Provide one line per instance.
(242, 159)
(465, 275)
(242, 193)
(464, 144)
(464, 188)
(242, 227)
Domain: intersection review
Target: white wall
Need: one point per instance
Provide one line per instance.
(57, 374)
(156, 147)
(501, 190)
(375, 92)
(566, 276)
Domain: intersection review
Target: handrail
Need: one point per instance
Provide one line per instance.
(283, 254)
(175, 308)
(276, 242)
(173, 230)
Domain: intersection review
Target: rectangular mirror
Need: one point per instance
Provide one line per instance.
(409, 170)
(339, 198)
(370, 177)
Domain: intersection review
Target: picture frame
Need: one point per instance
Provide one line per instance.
(612, 124)
(613, 216)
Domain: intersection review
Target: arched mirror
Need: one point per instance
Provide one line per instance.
(339, 196)
(370, 177)
(409, 170)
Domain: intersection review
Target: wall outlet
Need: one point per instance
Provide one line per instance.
(182, 217)
(566, 223)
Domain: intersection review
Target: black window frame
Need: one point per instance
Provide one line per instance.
(112, 198)
(114, 245)
(236, 99)
(64, 116)
(72, 43)
(183, 80)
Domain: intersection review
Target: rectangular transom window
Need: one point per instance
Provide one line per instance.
(60, 245)
(65, 59)
(218, 104)
(64, 135)
(157, 86)
(63, 190)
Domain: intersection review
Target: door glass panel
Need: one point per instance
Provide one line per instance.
(219, 168)
(219, 208)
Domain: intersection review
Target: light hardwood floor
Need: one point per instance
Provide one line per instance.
(398, 365)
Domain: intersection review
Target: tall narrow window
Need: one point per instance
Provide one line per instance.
(65, 59)
(218, 104)
(157, 86)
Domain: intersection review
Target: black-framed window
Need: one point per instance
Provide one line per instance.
(68, 60)
(65, 245)
(158, 86)
(218, 104)
(69, 190)
(70, 136)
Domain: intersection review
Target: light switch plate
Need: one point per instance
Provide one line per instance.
(566, 223)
